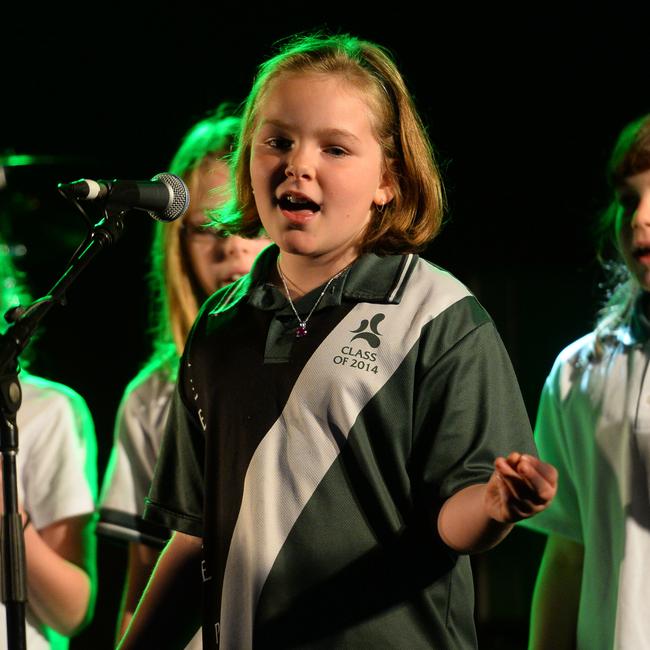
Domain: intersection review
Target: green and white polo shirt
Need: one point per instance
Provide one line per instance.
(319, 463)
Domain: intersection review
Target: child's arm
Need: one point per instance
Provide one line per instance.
(59, 561)
(478, 517)
(142, 560)
(170, 610)
(557, 596)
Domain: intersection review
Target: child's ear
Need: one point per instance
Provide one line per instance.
(385, 191)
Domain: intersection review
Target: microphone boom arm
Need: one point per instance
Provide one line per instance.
(24, 321)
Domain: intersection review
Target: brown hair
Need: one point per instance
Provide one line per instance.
(414, 216)
(630, 156)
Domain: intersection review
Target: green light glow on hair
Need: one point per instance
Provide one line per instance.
(12, 290)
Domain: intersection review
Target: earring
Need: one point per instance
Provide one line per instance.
(380, 207)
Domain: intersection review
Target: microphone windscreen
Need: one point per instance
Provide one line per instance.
(180, 197)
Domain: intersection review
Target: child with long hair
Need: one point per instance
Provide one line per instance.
(57, 487)
(189, 262)
(330, 456)
(593, 423)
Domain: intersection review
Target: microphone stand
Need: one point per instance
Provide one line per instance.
(24, 322)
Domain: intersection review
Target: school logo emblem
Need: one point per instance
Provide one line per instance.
(371, 337)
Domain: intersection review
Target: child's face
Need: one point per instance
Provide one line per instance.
(633, 227)
(216, 261)
(316, 166)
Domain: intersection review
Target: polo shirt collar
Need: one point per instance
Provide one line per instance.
(370, 279)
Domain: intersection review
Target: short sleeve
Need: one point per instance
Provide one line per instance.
(58, 471)
(562, 517)
(139, 425)
(177, 491)
(469, 410)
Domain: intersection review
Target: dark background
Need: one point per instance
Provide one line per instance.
(522, 107)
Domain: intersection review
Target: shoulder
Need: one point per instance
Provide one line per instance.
(581, 367)
(576, 351)
(216, 313)
(449, 304)
(54, 416)
(44, 394)
(151, 388)
(151, 380)
(227, 297)
(426, 310)
(434, 276)
(582, 355)
(232, 295)
(439, 289)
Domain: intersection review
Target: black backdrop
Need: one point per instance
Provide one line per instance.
(522, 107)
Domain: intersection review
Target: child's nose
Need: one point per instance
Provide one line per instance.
(642, 213)
(237, 246)
(300, 165)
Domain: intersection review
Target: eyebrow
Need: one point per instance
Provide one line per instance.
(334, 132)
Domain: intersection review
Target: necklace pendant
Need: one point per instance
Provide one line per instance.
(301, 330)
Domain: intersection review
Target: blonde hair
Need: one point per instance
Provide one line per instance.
(630, 156)
(175, 291)
(414, 216)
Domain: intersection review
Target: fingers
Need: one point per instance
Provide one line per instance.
(513, 458)
(531, 484)
(541, 476)
(502, 501)
(545, 469)
(519, 496)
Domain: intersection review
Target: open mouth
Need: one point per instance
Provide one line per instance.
(641, 252)
(296, 202)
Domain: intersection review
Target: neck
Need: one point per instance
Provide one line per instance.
(303, 274)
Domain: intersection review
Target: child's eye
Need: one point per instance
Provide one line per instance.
(629, 202)
(336, 151)
(283, 144)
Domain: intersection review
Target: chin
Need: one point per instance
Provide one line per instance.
(296, 243)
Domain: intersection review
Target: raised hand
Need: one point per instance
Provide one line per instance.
(520, 487)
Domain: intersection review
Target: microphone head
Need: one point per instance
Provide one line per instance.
(179, 197)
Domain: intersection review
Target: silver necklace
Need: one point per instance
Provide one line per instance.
(301, 330)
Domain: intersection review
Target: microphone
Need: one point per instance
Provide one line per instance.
(165, 197)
